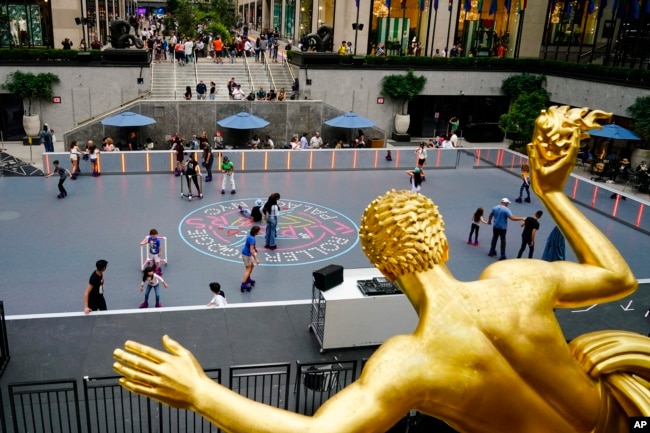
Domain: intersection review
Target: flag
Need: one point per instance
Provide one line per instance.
(450, 5)
(636, 12)
(468, 5)
(508, 3)
(403, 4)
(480, 6)
(435, 5)
(567, 8)
(493, 7)
(591, 7)
(357, 1)
(522, 5)
(388, 4)
(422, 4)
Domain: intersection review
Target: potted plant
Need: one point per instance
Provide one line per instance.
(31, 86)
(402, 88)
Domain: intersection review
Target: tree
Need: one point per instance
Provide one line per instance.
(517, 84)
(520, 119)
(403, 88)
(31, 86)
(640, 110)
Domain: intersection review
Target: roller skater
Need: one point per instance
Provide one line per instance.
(228, 170)
(62, 172)
(192, 172)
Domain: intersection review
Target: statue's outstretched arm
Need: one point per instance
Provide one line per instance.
(176, 378)
(609, 277)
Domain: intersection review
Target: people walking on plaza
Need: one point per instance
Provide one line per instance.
(530, 225)
(192, 173)
(228, 170)
(415, 179)
(249, 257)
(271, 211)
(208, 160)
(46, 139)
(154, 250)
(62, 173)
(151, 281)
(500, 214)
(94, 294)
(477, 218)
(525, 184)
(218, 296)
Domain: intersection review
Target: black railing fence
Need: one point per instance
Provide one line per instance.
(4, 344)
(317, 382)
(46, 406)
(268, 383)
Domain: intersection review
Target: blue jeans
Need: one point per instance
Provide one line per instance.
(156, 289)
(271, 225)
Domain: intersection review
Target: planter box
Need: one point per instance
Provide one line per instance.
(310, 58)
(376, 142)
(36, 141)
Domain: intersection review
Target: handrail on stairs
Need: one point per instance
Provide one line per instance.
(248, 70)
(267, 68)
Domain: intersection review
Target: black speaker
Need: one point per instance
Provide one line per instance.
(328, 277)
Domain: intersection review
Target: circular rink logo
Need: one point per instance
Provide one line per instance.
(306, 233)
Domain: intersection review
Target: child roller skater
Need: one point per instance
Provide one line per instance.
(477, 218)
(62, 172)
(152, 281)
(192, 173)
(249, 257)
(155, 250)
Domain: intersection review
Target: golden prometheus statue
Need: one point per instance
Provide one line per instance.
(486, 356)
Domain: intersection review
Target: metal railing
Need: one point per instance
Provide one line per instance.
(267, 68)
(264, 383)
(4, 343)
(45, 407)
(317, 382)
(248, 72)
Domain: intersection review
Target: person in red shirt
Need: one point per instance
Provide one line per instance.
(218, 50)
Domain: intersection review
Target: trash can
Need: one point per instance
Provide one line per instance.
(376, 142)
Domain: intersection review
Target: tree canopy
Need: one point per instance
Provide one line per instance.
(640, 110)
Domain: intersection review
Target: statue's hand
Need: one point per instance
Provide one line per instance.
(551, 174)
(171, 377)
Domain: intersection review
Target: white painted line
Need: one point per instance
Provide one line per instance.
(158, 310)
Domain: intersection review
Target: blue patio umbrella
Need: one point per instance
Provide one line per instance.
(350, 120)
(615, 132)
(128, 119)
(243, 120)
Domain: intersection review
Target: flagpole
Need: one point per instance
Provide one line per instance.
(417, 35)
(356, 30)
(451, 7)
(426, 45)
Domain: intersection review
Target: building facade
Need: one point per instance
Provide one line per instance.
(570, 30)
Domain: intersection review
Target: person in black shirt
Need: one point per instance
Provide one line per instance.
(530, 225)
(192, 172)
(94, 295)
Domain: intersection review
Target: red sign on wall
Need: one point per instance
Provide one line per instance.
(56, 99)
(380, 100)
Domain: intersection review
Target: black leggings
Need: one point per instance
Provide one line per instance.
(60, 185)
(193, 177)
(474, 230)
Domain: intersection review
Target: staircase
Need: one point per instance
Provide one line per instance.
(170, 79)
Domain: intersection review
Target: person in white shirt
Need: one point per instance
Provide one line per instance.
(219, 298)
(454, 139)
(189, 53)
(238, 94)
(446, 144)
(316, 141)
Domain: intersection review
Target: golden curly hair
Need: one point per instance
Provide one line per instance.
(403, 232)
